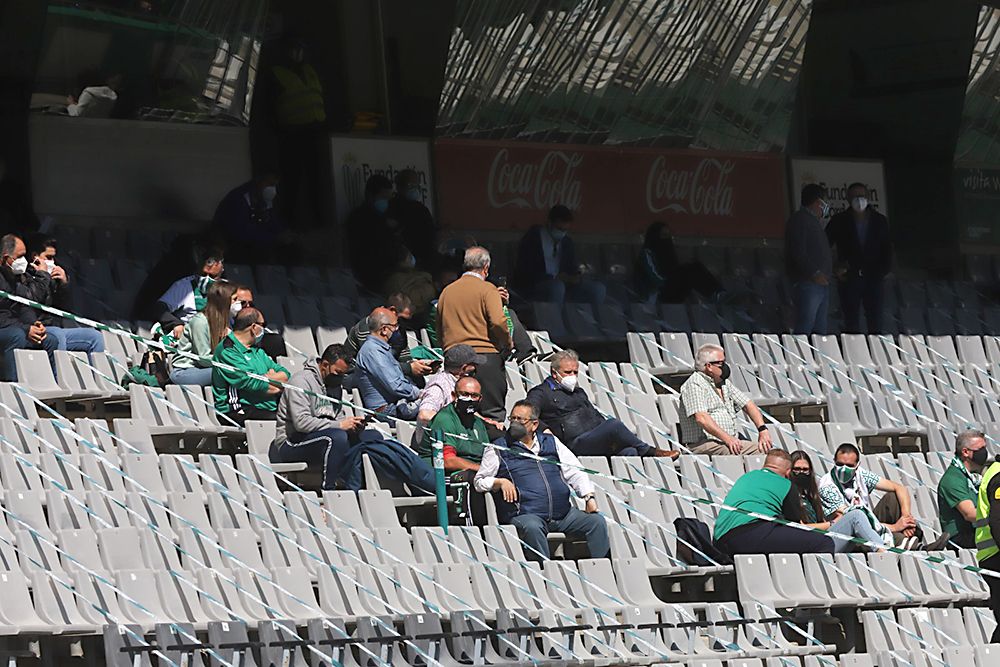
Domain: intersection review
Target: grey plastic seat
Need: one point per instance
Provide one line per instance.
(267, 513)
(67, 510)
(832, 582)
(256, 478)
(941, 628)
(181, 475)
(332, 643)
(35, 373)
(792, 583)
(143, 475)
(378, 509)
(281, 644)
(219, 468)
(146, 513)
(241, 543)
(221, 598)
(150, 406)
(294, 593)
(56, 605)
(77, 375)
(227, 513)
(179, 644)
(281, 551)
(36, 552)
(159, 551)
(125, 646)
(140, 602)
(338, 593)
(199, 551)
(230, 644)
(24, 512)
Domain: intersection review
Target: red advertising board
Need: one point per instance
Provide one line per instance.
(510, 186)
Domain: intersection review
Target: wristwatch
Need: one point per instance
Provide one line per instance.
(762, 428)
(590, 496)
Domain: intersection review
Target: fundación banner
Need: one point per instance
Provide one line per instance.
(977, 204)
(511, 186)
(836, 175)
(356, 158)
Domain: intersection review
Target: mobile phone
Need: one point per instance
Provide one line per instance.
(501, 281)
(436, 365)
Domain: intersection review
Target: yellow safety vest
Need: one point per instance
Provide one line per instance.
(985, 543)
(301, 98)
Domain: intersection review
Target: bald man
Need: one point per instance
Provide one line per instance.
(766, 492)
(383, 386)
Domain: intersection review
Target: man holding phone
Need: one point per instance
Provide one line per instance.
(460, 361)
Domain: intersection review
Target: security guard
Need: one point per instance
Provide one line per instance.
(987, 526)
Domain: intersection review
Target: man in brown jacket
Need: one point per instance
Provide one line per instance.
(470, 312)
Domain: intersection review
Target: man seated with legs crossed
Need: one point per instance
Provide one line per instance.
(535, 496)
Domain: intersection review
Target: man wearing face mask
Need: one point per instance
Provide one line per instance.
(547, 269)
(372, 235)
(459, 362)
(416, 224)
(383, 386)
(860, 237)
(536, 498)
(250, 223)
(709, 406)
(566, 410)
(20, 326)
(236, 393)
(809, 261)
(848, 485)
(959, 486)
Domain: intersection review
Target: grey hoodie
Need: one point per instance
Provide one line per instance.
(300, 413)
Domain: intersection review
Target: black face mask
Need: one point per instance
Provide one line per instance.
(980, 456)
(801, 479)
(726, 372)
(466, 409)
(516, 431)
(333, 383)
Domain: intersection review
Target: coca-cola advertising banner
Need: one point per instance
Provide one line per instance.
(510, 186)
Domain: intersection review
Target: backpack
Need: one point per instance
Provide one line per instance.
(695, 546)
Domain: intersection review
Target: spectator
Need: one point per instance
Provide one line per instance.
(536, 498)
(959, 486)
(547, 269)
(852, 523)
(238, 395)
(185, 257)
(470, 312)
(567, 412)
(766, 492)
(50, 285)
(660, 276)
(809, 261)
(849, 486)
(273, 342)
(20, 326)
(187, 295)
(96, 101)
(17, 213)
(383, 386)
(203, 334)
(709, 406)
(372, 238)
(416, 284)
(403, 307)
(416, 224)
(248, 221)
(460, 361)
(860, 236)
(988, 520)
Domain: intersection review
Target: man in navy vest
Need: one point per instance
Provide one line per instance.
(534, 495)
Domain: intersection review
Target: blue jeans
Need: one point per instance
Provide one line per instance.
(16, 338)
(854, 524)
(326, 449)
(534, 530)
(612, 438)
(556, 291)
(198, 376)
(811, 303)
(79, 339)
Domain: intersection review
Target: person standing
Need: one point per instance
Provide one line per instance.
(988, 525)
(956, 492)
(809, 261)
(470, 312)
(372, 237)
(860, 237)
(416, 223)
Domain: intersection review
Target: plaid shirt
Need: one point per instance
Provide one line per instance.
(698, 394)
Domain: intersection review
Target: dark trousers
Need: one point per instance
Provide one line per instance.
(612, 438)
(858, 291)
(887, 511)
(249, 413)
(493, 380)
(765, 537)
(301, 154)
(326, 449)
(689, 277)
(993, 563)
(391, 460)
(16, 338)
(534, 531)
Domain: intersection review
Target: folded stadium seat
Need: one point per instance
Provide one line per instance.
(77, 376)
(635, 378)
(979, 625)
(344, 508)
(222, 599)
(612, 321)
(61, 470)
(940, 322)
(34, 372)
(180, 600)
(68, 510)
(740, 350)
(293, 592)
(267, 513)
(688, 636)
(37, 552)
(799, 351)
(338, 314)
(431, 546)
(303, 311)
(260, 435)
(889, 582)
(427, 643)
(602, 640)
(230, 644)
(326, 336)
(300, 342)
(707, 318)
(831, 582)
(307, 280)
(281, 644)
(938, 628)
(358, 546)
(504, 544)
(959, 656)
(549, 316)
(55, 605)
(377, 508)
(646, 351)
(468, 545)
(491, 586)
(331, 643)
(125, 646)
(942, 350)
(162, 417)
(934, 582)
(179, 645)
(766, 633)
(181, 475)
(273, 309)
(110, 369)
(643, 317)
(131, 436)
(140, 600)
(961, 413)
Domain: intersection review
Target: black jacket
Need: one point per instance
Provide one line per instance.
(32, 284)
(567, 415)
(530, 267)
(807, 250)
(874, 259)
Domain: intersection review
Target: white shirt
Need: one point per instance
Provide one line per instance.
(94, 102)
(179, 299)
(550, 251)
(569, 467)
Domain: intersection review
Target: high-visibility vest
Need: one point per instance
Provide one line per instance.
(301, 99)
(985, 543)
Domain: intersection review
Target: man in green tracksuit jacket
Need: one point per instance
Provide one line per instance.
(236, 394)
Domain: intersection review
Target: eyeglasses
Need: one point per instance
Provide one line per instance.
(804, 471)
(246, 304)
(522, 420)
(717, 364)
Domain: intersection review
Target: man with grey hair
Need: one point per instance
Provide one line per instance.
(20, 325)
(383, 386)
(709, 406)
(565, 409)
(957, 490)
(470, 312)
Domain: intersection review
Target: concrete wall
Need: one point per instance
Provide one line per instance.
(134, 169)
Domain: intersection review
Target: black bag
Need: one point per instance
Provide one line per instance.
(695, 546)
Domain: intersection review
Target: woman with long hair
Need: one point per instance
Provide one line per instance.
(855, 523)
(202, 334)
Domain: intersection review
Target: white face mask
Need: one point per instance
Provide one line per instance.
(19, 266)
(268, 194)
(568, 382)
(235, 308)
(859, 204)
(50, 264)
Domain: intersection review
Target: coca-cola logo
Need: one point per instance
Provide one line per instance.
(703, 191)
(540, 185)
